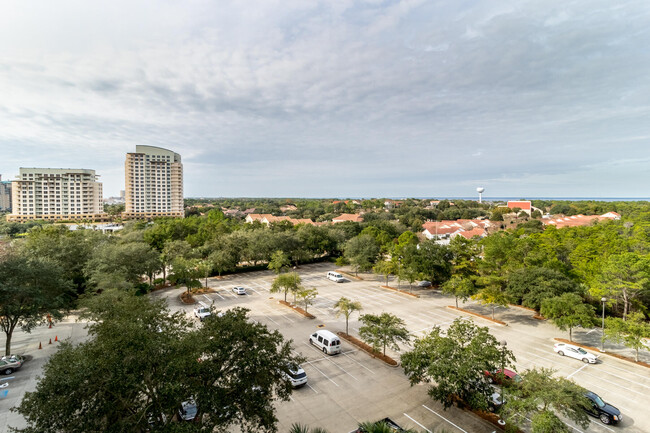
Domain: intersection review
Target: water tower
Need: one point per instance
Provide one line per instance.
(480, 190)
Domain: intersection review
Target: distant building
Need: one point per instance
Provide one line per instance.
(5, 195)
(354, 217)
(56, 194)
(580, 220)
(444, 231)
(267, 219)
(154, 183)
(523, 205)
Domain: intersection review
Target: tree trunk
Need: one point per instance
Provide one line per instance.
(570, 334)
(456, 301)
(493, 312)
(346, 326)
(636, 355)
(8, 345)
(164, 269)
(625, 304)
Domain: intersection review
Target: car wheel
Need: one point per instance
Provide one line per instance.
(585, 360)
(325, 350)
(8, 371)
(560, 353)
(311, 342)
(605, 419)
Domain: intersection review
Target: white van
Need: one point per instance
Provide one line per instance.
(326, 341)
(335, 276)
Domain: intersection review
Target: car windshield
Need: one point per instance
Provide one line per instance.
(582, 351)
(599, 401)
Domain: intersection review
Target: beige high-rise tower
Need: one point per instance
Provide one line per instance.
(56, 194)
(153, 184)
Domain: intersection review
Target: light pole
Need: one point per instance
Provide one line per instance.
(602, 338)
(503, 343)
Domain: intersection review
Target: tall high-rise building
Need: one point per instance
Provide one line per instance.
(154, 183)
(5, 195)
(56, 194)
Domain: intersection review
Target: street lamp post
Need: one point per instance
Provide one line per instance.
(602, 338)
(503, 343)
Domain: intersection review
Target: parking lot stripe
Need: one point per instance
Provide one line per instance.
(627, 389)
(436, 413)
(326, 376)
(406, 415)
(622, 378)
(627, 371)
(569, 376)
(312, 388)
(353, 360)
(271, 320)
(219, 295)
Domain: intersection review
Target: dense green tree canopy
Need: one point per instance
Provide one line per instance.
(141, 362)
(454, 362)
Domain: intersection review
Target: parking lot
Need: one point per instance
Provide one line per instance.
(352, 387)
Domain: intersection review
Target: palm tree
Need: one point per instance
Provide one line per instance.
(346, 307)
(299, 428)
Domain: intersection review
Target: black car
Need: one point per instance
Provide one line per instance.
(387, 422)
(607, 413)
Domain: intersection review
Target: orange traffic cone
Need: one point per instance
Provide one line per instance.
(40, 346)
(56, 338)
(50, 341)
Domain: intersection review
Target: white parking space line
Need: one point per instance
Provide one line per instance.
(357, 362)
(406, 415)
(627, 389)
(208, 298)
(569, 376)
(623, 378)
(271, 320)
(436, 413)
(312, 388)
(646, 377)
(219, 295)
(326, 376)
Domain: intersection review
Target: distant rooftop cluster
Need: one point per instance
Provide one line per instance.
(444, 231)
(580, 220)
(268, 219)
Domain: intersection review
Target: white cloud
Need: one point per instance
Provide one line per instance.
(353, 98)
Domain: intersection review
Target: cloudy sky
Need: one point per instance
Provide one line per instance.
(330, 98)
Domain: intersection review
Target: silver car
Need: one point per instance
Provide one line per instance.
(9, 364)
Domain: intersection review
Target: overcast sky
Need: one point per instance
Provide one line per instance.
(333, 98)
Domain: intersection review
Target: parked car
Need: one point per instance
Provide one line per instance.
(424, 283)
(507, 376)
(387, 422)
(607, 413)
(239, 290)
(188, 410)
(335, 276)
(297, 376)
(495, 401)
(326, 341)
(202, 311)
(11, 363)
(576, 352)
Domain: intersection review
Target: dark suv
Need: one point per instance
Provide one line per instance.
(607, 413)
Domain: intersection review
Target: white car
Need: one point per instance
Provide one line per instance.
(297, 376)
(576, 352)
(202, 311)
(239, 290)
